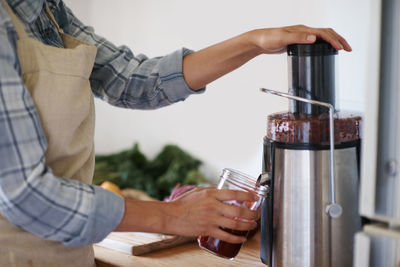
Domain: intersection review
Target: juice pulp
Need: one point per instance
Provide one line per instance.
(293, 128)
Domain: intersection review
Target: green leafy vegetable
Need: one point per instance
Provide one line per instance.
(157, 177)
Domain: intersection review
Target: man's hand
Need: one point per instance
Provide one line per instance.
(275, 40)
(202, 211)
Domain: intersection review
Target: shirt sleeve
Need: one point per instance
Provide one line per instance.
(31, 197)
(129, 81)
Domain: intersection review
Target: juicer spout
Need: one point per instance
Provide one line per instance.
(264, 179)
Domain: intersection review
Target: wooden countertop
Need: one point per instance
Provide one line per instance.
(183, 255)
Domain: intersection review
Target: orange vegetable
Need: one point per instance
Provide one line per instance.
(111, 187)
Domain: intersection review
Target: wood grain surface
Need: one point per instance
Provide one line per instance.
(136, 244)
(184, 255)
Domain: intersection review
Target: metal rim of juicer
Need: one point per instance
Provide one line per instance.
(333, 209)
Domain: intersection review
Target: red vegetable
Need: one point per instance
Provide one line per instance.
(178, 190)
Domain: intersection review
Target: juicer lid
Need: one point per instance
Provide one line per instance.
(319, 48)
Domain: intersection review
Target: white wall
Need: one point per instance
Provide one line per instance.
(225, 126)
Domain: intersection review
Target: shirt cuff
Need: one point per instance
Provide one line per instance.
(171, 76)
(109, 209)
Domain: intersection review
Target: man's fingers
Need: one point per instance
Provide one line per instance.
(227, 237)
(332, 37)
(346, 45)
(233, 211)
(238, 225)
(327, 34)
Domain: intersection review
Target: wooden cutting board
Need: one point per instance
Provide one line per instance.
(136, 243)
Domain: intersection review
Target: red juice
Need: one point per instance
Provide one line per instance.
(219, 247)
(255, 230)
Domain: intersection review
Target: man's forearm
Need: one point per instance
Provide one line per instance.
(144, 216)
(207, 65)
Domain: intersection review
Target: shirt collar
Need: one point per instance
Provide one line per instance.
(28, 10)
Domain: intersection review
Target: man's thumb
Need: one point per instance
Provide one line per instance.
(300, 38)
(310, 38)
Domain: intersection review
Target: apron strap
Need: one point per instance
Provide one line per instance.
(16, 22)
(51, 17)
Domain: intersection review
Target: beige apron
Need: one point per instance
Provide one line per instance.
(58, 81)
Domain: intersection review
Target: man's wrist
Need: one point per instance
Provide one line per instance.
(253, 41)
(144, 216)
(170, 219)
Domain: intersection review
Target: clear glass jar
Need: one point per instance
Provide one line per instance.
(235, 180)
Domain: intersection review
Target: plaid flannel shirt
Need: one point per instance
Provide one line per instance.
(31, 196)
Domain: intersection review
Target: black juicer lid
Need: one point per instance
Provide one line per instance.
(319, 48)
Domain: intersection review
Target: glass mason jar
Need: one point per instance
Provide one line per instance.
(235, 180)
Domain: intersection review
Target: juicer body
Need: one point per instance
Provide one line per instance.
(295, 230)
(311, 156)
